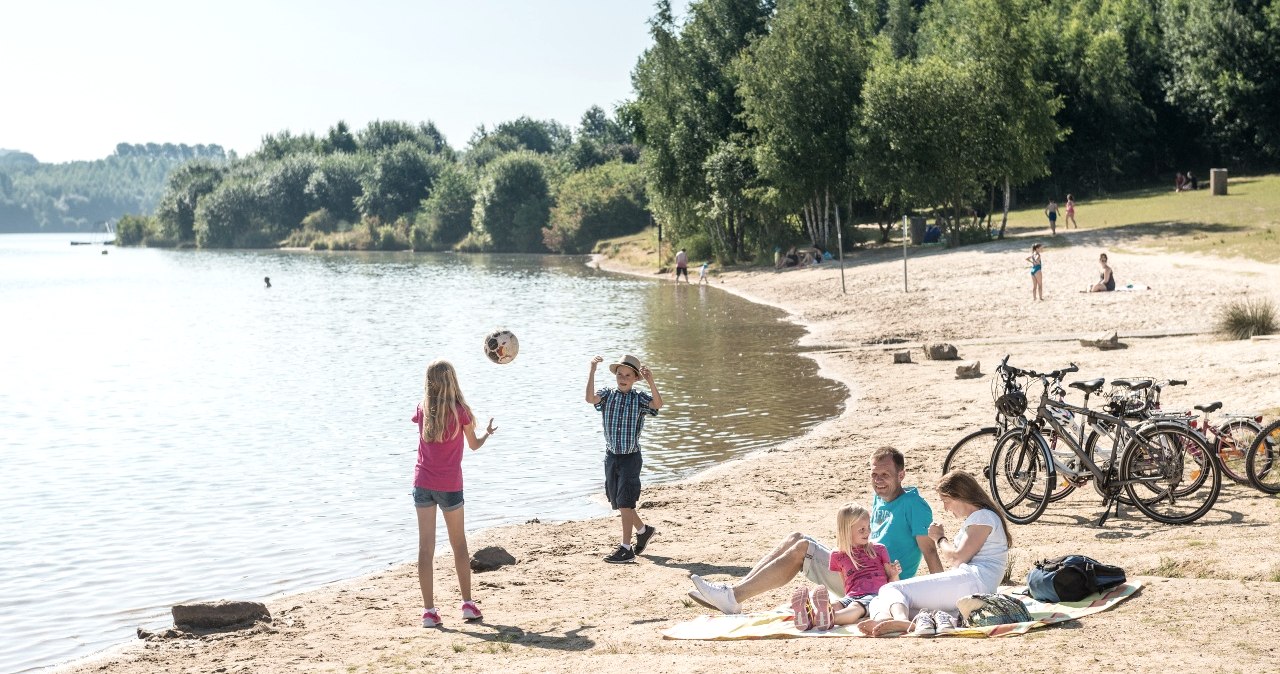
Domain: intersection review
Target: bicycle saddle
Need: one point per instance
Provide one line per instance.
(1090, 386)
(1210, 408)
(1132, 385)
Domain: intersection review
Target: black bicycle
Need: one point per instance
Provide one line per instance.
(1262, 461)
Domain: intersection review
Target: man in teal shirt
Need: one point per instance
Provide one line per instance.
(900, 520)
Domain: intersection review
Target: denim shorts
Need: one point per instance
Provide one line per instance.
(447, 500)
(864, 599)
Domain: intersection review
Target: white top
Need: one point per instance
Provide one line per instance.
(992, 559)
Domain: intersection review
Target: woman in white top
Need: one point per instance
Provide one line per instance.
(978, 557)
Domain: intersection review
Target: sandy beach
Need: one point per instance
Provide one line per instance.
(1210, 589)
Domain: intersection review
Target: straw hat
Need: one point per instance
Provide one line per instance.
(629, 361)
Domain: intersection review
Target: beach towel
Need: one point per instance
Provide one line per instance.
(1130, 287)
(777, 624)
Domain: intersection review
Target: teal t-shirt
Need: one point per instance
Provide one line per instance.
(896, 524)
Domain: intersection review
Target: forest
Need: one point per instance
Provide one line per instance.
(83, 195)
(757, 123)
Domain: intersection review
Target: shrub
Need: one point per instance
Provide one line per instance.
(1245, 318)
(696, 246)
(132, 230)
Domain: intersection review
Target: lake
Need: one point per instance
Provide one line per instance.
(173, 430)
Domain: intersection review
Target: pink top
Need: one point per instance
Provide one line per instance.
(440, 463)
(869, 578)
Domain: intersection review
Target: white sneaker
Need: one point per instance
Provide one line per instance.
(923, 625)
(719, 594)
(944, 623)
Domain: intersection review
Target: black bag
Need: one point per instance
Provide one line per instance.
(1071, 578)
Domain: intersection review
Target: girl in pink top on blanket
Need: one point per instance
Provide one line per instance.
(865, 567)
(444, 419)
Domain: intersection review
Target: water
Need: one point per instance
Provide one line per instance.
(172, 430)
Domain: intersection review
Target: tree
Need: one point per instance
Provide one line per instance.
(800, 87)
(445, 216)
(399, 180)
(282, 190)
(597, 203)
(513, 203)
(176, 213)
(229, 216)
(1223, 57)
(335, 184)
(339, 139)
(380, 136)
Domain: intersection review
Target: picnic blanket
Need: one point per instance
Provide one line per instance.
(777, 624)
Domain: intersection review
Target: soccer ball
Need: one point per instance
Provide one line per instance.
(501, 346)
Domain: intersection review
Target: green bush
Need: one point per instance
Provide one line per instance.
(1246, 318)
(599, 203)
(132, 230)
(696, 246)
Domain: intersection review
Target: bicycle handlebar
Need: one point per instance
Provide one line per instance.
(1055, 375)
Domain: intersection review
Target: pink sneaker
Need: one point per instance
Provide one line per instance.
(820, 598)
(471, 612)
(431, 618)
(800, 608)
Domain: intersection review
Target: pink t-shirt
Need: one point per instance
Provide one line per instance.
(440, 463)
(869, 578)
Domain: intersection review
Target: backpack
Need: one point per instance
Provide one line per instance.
(1071, 578)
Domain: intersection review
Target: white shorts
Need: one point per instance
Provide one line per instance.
(817, 567)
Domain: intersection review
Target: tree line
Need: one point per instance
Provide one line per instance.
(82, 195)
(756, 123)
(754, 113)
(523, 186)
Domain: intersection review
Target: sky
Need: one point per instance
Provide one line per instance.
(81, 76)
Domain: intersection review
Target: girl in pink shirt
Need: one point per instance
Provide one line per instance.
(443, 419)
(865, 567)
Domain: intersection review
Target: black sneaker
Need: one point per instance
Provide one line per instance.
(621, 556)
(642, 540)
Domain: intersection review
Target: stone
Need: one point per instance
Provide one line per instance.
(1105, 341)
(1217, 183)
(969, 370)
(218, 614)
(902, 357)
(490, 558)
(941, 352)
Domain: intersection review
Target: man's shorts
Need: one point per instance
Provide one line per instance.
(682, 271)
(622, 479)
(817, 567)
(447, 500)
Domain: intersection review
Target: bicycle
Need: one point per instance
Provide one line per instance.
(1154, 469)
(972, 453)
(1229, 439)
(1262, 461)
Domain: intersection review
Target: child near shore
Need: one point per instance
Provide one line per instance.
(623, 410)
(865, 567)
(443, 419)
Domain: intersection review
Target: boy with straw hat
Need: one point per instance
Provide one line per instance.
(623, 410)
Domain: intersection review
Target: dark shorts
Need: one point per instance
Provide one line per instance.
(447, 500)
(622, 479)
(682, 271)
(1053, 217)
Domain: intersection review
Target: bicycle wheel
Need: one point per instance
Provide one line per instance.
(1262, 462)
(1234, 438)
(973, 453)
(1170, 474)
(1022, 475)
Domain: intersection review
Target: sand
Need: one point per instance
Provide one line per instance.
(1210, 597)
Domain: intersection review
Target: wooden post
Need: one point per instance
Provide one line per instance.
(840, 250)
(904, 253)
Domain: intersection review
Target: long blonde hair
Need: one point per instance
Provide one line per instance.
(846, 517)
(440, 400)
(962, 486)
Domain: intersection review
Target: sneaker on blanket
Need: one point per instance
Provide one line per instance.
(923, 625)
(820, 599)
(719, 594)
(944, 623)
(800, 608)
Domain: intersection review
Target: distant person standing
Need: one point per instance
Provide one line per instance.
(1052, 211)
(682, 266)
(1071, 213)
(1037, 274)
(267, 280)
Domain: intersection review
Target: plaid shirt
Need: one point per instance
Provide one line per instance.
(623, 415)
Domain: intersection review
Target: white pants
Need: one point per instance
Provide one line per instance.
(934, 592)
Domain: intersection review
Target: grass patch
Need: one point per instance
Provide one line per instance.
(1242, 224)
(1189, 568)
(1246, 318)
(458, 648)
(636, 250)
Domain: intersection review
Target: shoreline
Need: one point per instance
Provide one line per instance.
(559, 608)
